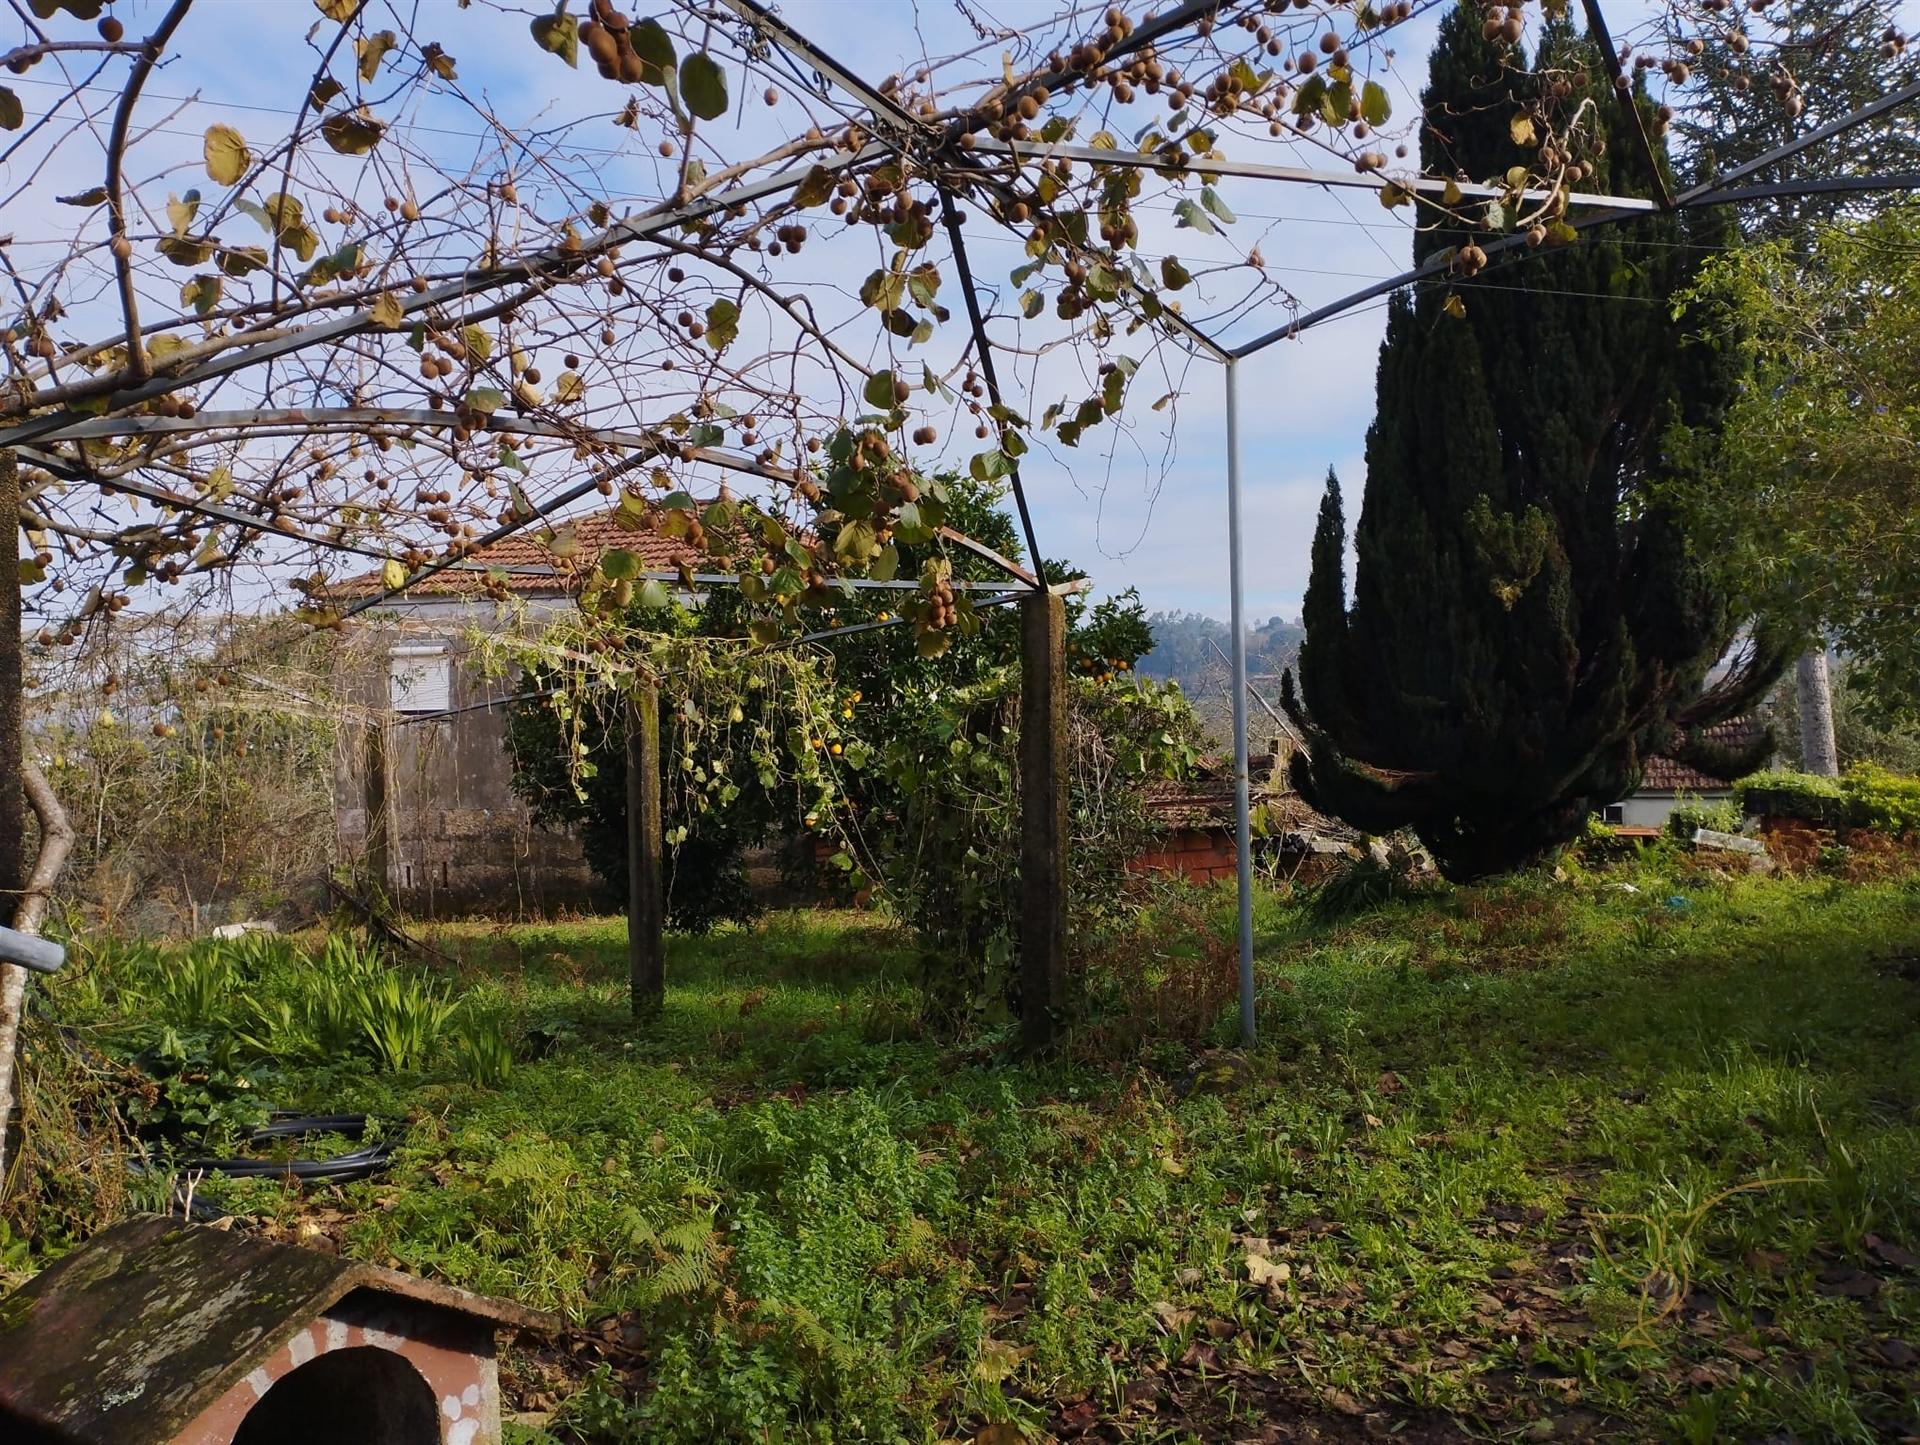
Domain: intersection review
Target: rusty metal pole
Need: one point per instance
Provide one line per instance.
(646, 854)
(1043, 819)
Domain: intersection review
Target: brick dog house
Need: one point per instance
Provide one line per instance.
(162, 1333)
(1195, 835)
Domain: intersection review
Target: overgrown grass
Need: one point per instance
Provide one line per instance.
(1515, 1159)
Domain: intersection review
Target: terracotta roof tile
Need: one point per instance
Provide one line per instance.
(530, 568)
(1669, 775)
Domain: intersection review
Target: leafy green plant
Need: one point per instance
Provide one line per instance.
(1366, 882)
(1883, 800)
(401, 1017)
(199, 1087)
(481, 1049)
(1689, 815)
(1799, 796)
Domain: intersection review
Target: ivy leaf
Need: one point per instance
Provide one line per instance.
(1375, 108)
(1187, 214)
(185, 250)
(202, 293)
(655, 48)
(923, 283)
(911, 526)
(886, 562)
(815, 189)
(352, 132)
(703, 84)
(387, 311)
(884, 290)
(226, 154)
(878, 392)
(510, 459)
(241, 261)
(372, 51)
(989, 466)
(723, 324)
(181, 211)
(558, 34)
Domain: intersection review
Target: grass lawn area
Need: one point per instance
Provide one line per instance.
(1539, 1160)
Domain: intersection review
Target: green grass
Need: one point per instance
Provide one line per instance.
(1530, 1157)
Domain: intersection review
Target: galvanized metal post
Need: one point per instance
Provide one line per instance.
(1242, 821)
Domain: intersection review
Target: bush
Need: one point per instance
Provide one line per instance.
(1692, 814)
(1800, 796)
(1366, 882)
(1866, 797)
(1882, 800)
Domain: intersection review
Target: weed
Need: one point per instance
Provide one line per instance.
(481, 1049)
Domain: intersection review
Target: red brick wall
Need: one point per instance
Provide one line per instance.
(1201, 855)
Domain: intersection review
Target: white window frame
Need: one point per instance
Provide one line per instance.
(419, 677)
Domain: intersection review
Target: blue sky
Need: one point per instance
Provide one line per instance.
(1146, 509)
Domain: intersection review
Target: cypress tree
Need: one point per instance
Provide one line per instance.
(1527, 625)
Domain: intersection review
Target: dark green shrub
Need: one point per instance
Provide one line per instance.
(1802, 797)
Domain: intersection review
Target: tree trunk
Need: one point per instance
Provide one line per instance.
(13, 801)
(56, 841)
(1043, 820)
(646, 855)
(1818, 752)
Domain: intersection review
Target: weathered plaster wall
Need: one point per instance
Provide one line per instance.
(459, 840)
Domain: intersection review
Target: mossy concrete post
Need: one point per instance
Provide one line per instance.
(377, 795)
(646, 853)
(1043, 819)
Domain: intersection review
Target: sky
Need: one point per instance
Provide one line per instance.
(1146, 509)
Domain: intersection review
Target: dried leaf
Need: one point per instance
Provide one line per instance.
(387, 311)
(226, 153)
(352, 132)
(372, 50)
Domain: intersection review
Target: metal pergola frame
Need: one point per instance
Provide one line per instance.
(897, 132)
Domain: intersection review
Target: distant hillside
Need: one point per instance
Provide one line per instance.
(1191, 649)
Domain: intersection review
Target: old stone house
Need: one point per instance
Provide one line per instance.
(458, 838)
